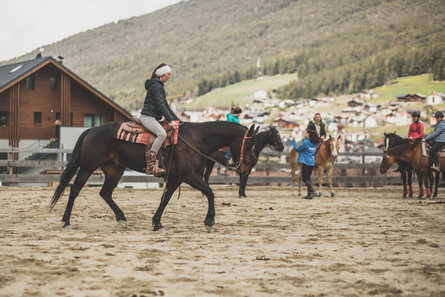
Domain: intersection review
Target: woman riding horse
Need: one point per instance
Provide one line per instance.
(98, 148)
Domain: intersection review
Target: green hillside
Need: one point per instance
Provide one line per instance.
(241, 92)
(215, 39)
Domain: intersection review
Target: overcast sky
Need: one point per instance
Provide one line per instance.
(28, 24)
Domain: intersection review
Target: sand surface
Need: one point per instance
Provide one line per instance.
(363, 242)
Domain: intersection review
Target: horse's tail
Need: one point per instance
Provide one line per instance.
(70, 170)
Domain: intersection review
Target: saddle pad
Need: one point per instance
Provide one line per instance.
(135, 133)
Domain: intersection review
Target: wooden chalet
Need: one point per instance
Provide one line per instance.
(411, 97)
(286, 124)
(38, 95)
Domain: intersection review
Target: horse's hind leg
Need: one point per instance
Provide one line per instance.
(79, 182)
(170, 188)
(112, 176)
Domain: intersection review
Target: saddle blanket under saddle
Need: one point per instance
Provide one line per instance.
(134, 132)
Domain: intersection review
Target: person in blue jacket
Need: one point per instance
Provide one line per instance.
(233, 116)
(439, 139)
(306, 155)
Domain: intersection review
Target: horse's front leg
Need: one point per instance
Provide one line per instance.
(170, 188)
(405, 189)
(426, 180)
(320, 180)
(242, 186)
(437, 182)
(410, 183)
(198, 183)
(420, 180)
(330, 172)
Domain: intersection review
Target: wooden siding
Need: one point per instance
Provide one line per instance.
(4, 106)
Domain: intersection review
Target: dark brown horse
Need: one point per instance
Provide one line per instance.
(411, 153)
(269, 137)
(97, 148)
(406, 172)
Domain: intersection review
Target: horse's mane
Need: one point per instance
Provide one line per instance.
(401, 148)
(398, 138)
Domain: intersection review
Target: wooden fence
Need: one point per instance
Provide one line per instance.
(267, 171)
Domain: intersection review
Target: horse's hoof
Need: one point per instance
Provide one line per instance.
(332, 194)
(319, 194)
(404, 196)
(209, 222)
(208, 228)
(157, 226)
(123, 223)
(410, 196)
(67, 226)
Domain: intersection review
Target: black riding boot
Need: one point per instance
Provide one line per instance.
(310, 190)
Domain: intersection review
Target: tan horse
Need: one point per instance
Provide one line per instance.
(324, 162)
(411, 153)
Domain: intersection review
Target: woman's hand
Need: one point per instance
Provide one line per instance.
(174, 125)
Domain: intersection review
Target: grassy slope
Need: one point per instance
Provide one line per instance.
(419, 84)
(236, 94)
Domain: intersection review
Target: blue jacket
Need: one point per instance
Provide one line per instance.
(232, 118)
(439, 133)
(307, 151)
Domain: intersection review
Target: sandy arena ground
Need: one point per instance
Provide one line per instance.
(364, 242)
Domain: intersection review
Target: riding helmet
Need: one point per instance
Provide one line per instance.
(415, 114)
(438, 114)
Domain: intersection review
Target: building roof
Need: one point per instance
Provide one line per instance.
(13, 73)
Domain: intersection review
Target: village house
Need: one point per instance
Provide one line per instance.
(435, 99)
(411, 97)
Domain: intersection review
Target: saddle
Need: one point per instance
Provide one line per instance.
(426, 150)
(134, 132)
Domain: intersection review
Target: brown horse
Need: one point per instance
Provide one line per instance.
(324, 161)
(411, 153)
(97, 148)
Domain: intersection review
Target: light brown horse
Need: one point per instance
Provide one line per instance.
(324, 162)
(411, 153)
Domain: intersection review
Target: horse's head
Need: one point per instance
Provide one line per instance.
(274, 139)
(392, 139)
(333, 146)
(387, 161)
(246, 154)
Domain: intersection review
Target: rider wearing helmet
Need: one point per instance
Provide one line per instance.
(439, 139)
(415, 132)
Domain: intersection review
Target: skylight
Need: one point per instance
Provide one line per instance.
(16, 68)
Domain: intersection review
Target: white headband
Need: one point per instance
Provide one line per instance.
(163, 70)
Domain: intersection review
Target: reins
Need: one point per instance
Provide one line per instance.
(238, 164)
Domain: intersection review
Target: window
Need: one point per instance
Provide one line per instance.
(4, 119)
(92, 120)
(37, 118)
(53, 83)
(30, 82)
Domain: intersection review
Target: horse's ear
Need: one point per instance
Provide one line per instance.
(256, 130)
(384, 133)
(252, 127)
